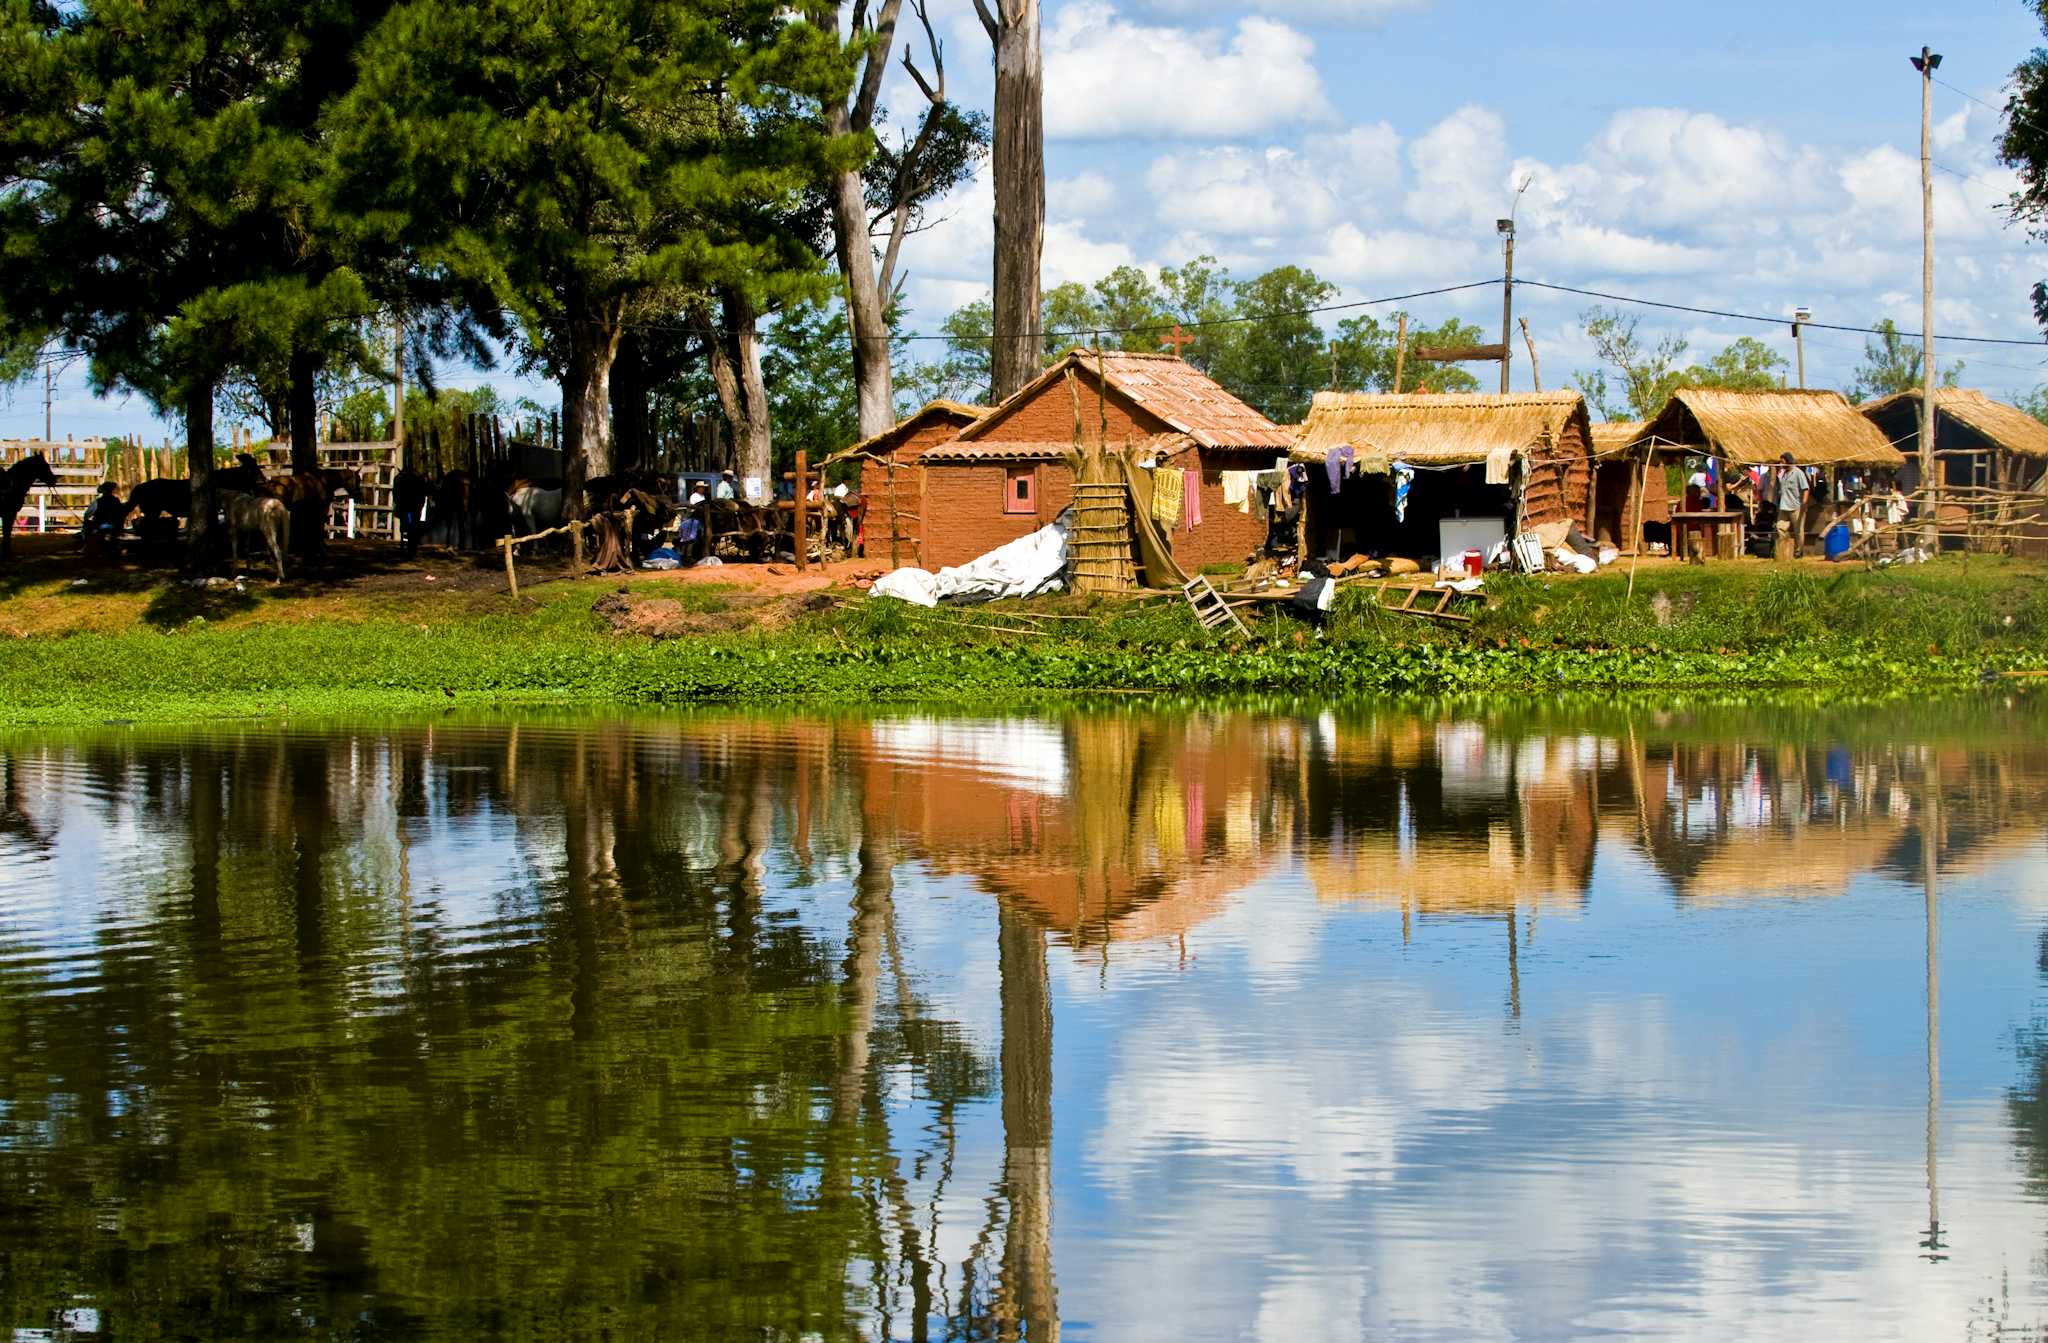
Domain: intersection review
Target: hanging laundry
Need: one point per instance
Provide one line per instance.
(1297, 482)
(1498, 462)
(1337, 462)
(1237, 490)
(1404, 476)
(1191, 497)
(1166, 498)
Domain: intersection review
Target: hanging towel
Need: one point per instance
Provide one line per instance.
(1191, 498)
(1337, 462)
(1166, 492)
(1404, 476)
(1497, 464)
(1237, 490)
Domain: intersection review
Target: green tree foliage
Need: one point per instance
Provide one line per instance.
(1648, 372)
(591, 162)
(961, 372)
(1366, 355)
(2023, 146)
(1892, 364)
(1747, 365)
(159, 179)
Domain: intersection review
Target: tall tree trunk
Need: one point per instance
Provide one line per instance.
(874, 388)
(304, 412)
(199, 470)
(631, 436)
(1019, 191)
(755, 434)
(1025, 1294)
(586, 404)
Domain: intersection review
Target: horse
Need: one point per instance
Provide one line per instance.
(25, 474)
(410, 496)
(309, 494)
(261, 516)
(534, 508)
(161, 497)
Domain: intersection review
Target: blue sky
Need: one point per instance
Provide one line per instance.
(1743, 156)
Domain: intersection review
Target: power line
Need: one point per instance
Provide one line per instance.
(1772, 321)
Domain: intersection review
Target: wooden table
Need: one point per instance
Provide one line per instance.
(1709, 521)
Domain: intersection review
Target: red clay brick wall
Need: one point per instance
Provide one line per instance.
(963, 509)
(1226, 536)
(874, 487)
(1049, 418)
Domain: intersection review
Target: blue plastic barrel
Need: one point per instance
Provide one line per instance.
(1835, 543)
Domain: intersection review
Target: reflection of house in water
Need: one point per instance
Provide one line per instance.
(1449, 818)
(1730, 819)
(1103, 829)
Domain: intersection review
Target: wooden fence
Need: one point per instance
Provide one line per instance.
(79, 465)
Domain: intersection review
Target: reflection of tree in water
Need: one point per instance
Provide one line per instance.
(604, 1122)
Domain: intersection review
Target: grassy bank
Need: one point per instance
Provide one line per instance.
(142, 649)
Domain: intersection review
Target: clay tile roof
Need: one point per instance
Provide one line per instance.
(1011, 450)
(1440, 429)
(957, 412)
(2008, 426)
(1754, 428)
(1165, 386)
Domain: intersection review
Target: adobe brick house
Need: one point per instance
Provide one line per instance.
(902, 444)
(1005, 475)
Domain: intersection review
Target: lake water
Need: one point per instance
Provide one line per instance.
(1290, 1023)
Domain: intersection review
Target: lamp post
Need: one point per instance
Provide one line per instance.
(1927, 62)
(1801, 315)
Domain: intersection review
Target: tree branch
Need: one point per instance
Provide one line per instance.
(988, 22)
(877, 65)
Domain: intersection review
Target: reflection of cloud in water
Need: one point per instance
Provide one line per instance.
(1026, 753)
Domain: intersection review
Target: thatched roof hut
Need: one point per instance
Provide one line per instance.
(1450, 429)
(1524, 459)
(1974, 418)
(1616, 438)
(1819, 428)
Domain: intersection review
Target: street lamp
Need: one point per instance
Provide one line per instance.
(1801, 315)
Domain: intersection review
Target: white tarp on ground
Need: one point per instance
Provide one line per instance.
(1026, 567)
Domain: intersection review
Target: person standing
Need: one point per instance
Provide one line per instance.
(1794, 485)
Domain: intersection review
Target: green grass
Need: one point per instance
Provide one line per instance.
(1725, 628)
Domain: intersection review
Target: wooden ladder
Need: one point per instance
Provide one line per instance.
(1415, 601)
(1210, 608)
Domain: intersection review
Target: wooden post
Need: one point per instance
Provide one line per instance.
(576, 543)
(895, 524)
(802, 462)
(1400, 350)
(1535, 370)
(511, 569)
(398, 393)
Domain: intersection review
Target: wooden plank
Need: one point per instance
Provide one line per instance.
(1461, 354)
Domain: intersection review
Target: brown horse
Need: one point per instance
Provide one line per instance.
(309, 494)
(24, 475)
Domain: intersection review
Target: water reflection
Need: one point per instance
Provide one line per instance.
(729, 1026)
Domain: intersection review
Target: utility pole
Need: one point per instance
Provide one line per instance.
(1506, 228)
(1801, 315)
(1400, 351)
(49, 396)
(1333, 365)
(1930, 480)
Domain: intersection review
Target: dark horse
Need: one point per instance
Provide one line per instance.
(30, 471)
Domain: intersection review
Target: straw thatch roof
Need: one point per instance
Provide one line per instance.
(1819, 428)
(1616, 437)
(1044, 450)
(1165, 387)
(956, 413)
(2009, 427)
(1448, 429)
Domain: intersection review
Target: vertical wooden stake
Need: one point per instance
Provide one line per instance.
(1535, 370)
(802, 463)
(895, 523)
(511, 569)
(576, 543)
(1400, 350)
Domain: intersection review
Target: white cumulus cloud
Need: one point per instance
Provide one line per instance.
(1109, 77)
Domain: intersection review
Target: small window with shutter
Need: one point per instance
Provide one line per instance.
(1020, 489)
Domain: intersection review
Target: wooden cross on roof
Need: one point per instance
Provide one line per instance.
(1178, 339)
